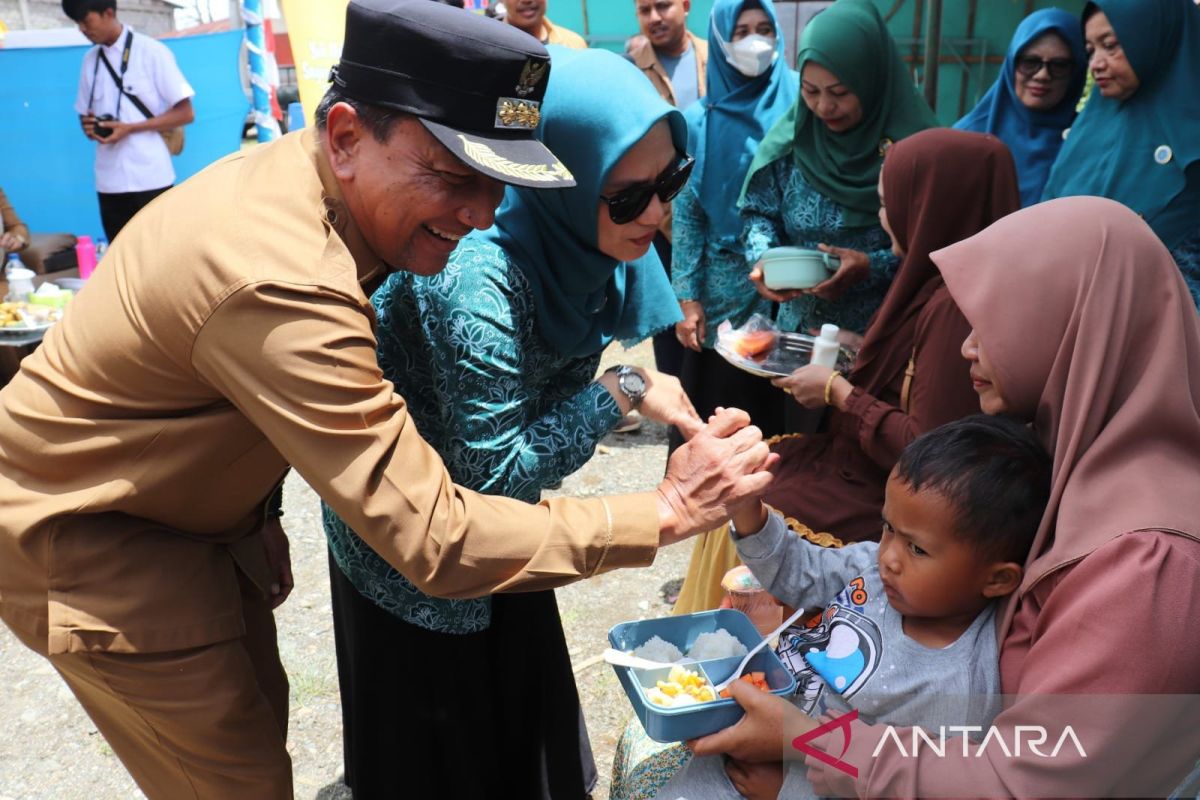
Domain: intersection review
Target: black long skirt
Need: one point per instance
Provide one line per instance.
(493, 714)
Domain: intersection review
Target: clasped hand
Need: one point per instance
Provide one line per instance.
(724, 466)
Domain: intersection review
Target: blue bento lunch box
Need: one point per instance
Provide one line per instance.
(664, 724)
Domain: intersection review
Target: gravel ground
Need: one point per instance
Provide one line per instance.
(51, 751)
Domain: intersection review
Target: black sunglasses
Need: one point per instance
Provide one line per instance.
(1032, 65)
(628, 204)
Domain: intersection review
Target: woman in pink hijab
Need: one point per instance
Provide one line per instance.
(1083, 326)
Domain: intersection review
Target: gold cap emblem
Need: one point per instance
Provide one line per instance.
(531, 75)
(513, 113)
(483, 155)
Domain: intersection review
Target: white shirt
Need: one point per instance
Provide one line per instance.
(140, 161)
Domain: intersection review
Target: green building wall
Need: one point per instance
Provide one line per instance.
(975, 36)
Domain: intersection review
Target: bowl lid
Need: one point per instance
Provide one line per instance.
(780, 253)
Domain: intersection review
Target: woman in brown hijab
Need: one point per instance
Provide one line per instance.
(1083, 325)
(938, 187)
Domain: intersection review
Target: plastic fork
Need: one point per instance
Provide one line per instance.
(737, 673)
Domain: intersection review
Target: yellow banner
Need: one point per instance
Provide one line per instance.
(316, 29)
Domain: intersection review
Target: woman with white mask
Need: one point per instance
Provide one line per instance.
(749, 87)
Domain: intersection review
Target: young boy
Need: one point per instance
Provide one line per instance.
(908, 633)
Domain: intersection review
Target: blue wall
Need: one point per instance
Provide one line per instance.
(47, 168)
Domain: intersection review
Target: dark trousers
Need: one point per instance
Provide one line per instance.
(117, 209)
(668, 352)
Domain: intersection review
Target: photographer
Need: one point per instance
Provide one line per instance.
(133, 101)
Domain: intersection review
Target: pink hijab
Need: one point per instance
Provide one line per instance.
(1092, 334)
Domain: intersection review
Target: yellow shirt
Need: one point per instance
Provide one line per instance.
(553, 34)
(226, 335)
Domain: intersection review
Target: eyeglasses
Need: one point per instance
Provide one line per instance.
(1032, 65)
(628, 204)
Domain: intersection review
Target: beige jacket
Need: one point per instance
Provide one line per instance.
(226, 335)
(643, 55)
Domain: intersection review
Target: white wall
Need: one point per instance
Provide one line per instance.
(148, 16)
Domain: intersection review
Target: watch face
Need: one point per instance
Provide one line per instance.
(634, 382)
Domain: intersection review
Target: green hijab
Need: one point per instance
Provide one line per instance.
(850, 40)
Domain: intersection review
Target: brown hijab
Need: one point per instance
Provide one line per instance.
(940, 186)
(1093, 334)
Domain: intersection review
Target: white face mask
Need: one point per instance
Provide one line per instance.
(751, 56)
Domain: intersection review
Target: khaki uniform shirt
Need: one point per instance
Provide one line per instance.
(646, 59)
(226, 335)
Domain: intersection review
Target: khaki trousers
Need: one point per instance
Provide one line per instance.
(208, 722)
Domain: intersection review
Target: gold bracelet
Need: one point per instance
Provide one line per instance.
(829, 387)
(608, 538)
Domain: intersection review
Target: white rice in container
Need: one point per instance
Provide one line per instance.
(718, 644)
(658, 649)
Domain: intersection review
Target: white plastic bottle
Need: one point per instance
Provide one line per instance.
(19, 278)
(825, 347)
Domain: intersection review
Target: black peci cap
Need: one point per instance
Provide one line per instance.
(476, 84)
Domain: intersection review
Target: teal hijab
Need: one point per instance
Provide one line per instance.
(1033, 137)
(850, 40)
(1138, 151)
(597, 107)
(726, 126)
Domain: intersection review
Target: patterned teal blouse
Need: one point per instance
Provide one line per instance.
(781, 208)
(505, 411)
(702, 269)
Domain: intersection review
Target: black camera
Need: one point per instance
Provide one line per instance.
(101, 130)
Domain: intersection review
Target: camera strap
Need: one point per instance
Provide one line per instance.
(119, 80)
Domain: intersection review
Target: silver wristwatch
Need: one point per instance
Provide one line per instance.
(631, 383)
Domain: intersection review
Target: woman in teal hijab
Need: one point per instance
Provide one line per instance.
(1137, 139)
(1033, 100)
(498, 356)
(813, 181)
(749, 87)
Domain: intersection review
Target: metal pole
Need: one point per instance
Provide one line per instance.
(268, 128)
(933, 50)
(24, 6)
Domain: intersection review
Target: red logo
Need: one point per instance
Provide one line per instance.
(801, 743)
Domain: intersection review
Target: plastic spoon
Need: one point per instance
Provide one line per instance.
(617, 658)
(737, 673)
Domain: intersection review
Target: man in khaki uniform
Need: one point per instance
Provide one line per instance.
(228, 335)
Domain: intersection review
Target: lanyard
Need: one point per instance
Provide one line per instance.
(119, 81)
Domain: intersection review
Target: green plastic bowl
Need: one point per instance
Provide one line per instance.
(797, 267)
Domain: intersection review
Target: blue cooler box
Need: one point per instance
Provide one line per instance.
(689, 722)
